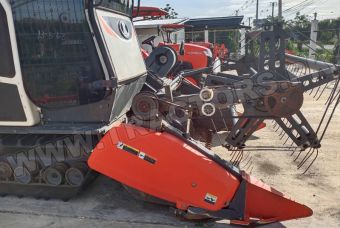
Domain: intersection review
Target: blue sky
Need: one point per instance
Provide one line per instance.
(209, 8)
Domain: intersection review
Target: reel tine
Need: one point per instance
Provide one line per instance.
(283, 136)
(251, 165)
(317, 91)
(232, 153)
(234, 159)
(306, 158)
(286, 141)
(283, 131)
(310, 165)
(238, 157)
(275, 124)
(247, 163)
(294, 152)
(332, 93)
(322, 92)
(291, 145)
(278, 127)
(300, 154)
(247, 156)
(335, 97)
(328, 100)
(251, 170)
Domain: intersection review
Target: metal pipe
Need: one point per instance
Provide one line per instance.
(280, 10)
(311, 63)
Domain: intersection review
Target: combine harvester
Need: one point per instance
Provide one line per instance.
(73, 71)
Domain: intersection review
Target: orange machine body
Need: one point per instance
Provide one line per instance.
(145, 54)
(169, 168)
(194, 54)
(178, 174)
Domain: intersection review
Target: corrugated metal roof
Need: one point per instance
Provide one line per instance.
(155, 23)
(215, 23)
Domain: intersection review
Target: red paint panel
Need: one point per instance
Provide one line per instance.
(180, 174)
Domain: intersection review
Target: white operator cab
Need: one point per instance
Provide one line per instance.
(16, 108)
(52, 56)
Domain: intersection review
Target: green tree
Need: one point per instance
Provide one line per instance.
(299, 27)
(329, 31)
(172, 14)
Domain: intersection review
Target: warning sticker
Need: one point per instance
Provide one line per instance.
(209, 198)
(136, 152)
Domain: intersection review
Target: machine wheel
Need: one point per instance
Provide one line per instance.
(75, 175)
(6, 171)
(145, 106)
(55, 175)
(22, 175)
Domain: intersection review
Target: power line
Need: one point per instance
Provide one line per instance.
(245, 6)
(298, 7)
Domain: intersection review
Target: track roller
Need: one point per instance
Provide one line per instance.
(6, 171)
(22, 175)
(54, 175)
(75, 175)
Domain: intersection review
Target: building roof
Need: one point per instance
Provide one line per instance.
(215, 23)
(156, 23)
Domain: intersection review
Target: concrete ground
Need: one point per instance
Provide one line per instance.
(107, 204)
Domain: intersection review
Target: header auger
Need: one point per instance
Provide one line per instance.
(83, 102)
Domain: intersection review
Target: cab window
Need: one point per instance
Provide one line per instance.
(58, 57)
(122, 6)
(6, 56)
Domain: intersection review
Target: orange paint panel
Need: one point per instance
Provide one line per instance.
(166, 167)
(193, 54)
(268, 205)
(180, 174)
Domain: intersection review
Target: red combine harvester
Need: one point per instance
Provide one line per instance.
(86, 55)
(190, 56)
(219, 51)
(148, 12)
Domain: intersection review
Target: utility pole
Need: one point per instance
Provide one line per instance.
(280, 10)
(313, 36)
(257, 9)
(273, 7)
(337, 57)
